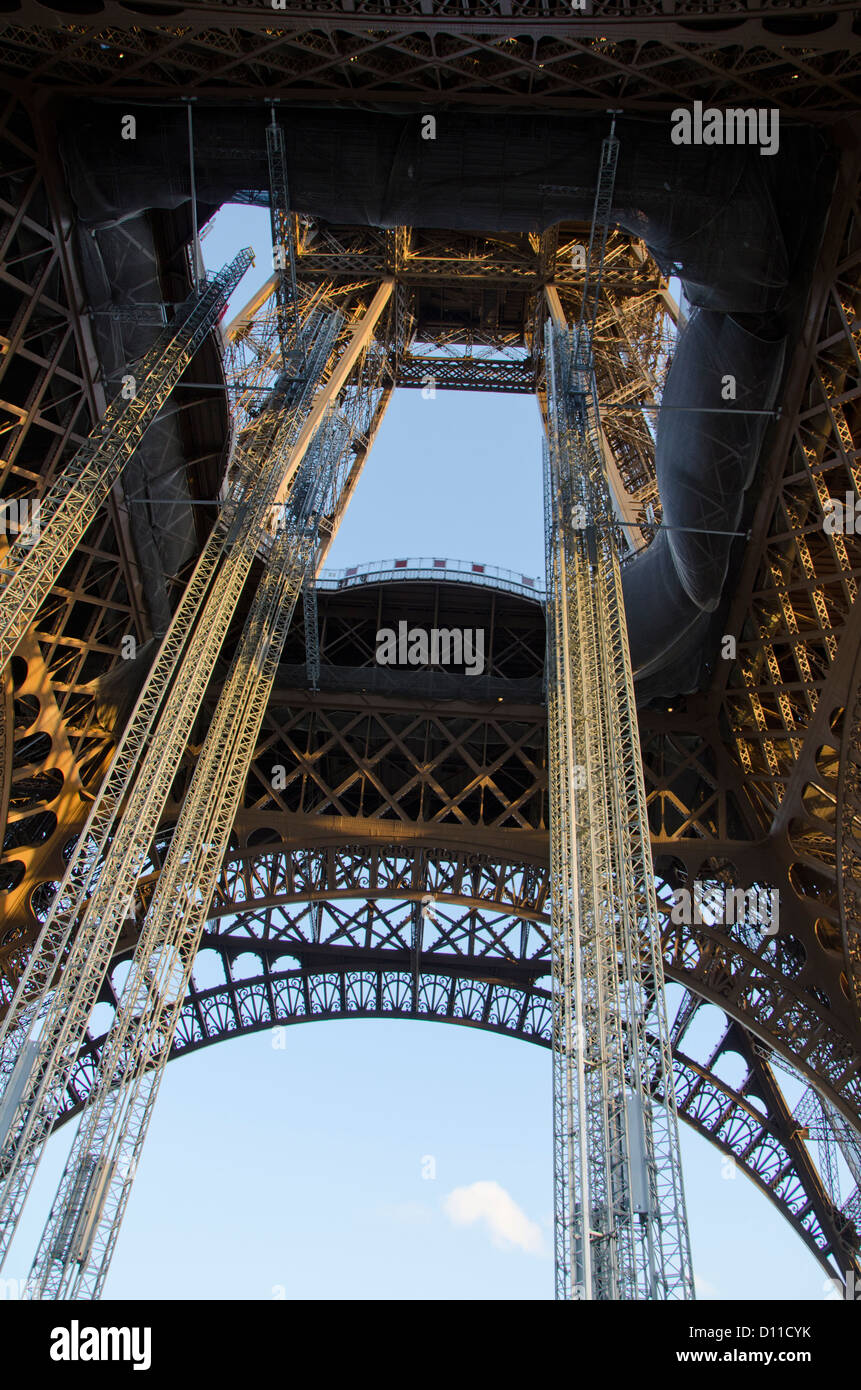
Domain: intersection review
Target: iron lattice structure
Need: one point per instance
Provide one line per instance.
(499, 53)
(316, 913)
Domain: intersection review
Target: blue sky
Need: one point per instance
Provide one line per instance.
(303, 1172)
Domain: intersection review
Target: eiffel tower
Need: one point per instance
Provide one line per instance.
(388, 849)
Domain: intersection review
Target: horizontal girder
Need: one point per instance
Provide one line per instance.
(509, 53)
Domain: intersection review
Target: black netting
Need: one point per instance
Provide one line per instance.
(740, 228)
(705, 462)
(121, 271)
(732, 219)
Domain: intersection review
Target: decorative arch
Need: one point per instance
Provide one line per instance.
(306, 934)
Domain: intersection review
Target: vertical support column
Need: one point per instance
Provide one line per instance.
(312, 632)
(621, 1228)
(283, 246)
(626, 507)
(356, 344)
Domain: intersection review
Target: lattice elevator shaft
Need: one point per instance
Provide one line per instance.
(621, 1228)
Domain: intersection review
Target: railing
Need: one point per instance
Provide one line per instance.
(458, 571)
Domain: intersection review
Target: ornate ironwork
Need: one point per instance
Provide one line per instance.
(393, 791)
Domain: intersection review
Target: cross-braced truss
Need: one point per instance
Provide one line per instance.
(753, 781)
(503, 53)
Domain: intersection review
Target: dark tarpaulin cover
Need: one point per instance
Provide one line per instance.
(740, 229)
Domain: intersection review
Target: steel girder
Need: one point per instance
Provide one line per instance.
(501, 926)
(768, 753)
(503, 53)
(50, 398)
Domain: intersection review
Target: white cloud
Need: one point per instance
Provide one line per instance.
(508, 1226)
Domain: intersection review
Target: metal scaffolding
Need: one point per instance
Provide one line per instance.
(289, 323)
(45, 1026)
(256, 463)
(833, 1136)
(75, 1251)
(621, 1229)
(30, 569)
